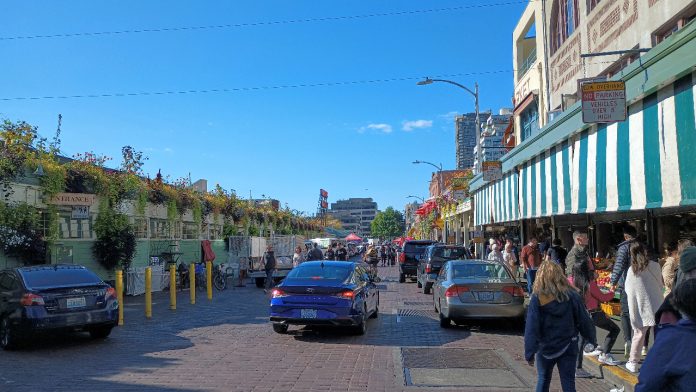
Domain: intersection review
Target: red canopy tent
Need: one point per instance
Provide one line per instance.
(353, 237)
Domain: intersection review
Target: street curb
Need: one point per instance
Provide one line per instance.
(616, 375)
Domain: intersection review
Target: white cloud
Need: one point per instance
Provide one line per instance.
(385, 128)
(416, 124)
(169, 150)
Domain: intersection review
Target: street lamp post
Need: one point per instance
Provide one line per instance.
(439, 171)
(417, 197)
(475, 93)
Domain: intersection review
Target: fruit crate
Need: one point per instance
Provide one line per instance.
(611, 308)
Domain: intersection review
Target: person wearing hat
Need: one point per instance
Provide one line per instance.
(667, 314)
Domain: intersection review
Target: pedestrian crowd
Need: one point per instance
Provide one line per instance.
(565, 311)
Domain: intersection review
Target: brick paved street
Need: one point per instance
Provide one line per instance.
(228, 345)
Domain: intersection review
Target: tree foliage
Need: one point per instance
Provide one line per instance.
(388, 224)
(115, 244)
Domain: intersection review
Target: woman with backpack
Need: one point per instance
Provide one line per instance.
(555, 318)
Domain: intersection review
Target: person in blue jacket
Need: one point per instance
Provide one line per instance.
(671, 362)
(556, 317)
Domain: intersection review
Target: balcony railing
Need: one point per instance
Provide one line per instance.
(527, 63)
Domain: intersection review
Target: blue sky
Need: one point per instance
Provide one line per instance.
(352, 139)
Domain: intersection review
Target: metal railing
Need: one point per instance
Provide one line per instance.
(527, 63)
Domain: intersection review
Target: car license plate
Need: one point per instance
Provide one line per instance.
(308, 313)
(485, 296)
(72, 303)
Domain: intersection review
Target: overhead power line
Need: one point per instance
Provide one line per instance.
(253, 88)
(263, 23)
(261, 88)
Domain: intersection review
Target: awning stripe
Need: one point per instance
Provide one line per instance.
(651, 135)
(685, 108)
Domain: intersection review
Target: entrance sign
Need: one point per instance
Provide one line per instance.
(603, 102)
(492, 170)
(74, 199)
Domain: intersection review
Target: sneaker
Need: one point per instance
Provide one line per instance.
(608, 359)
(632, 367)
(582, 373)
(594, 353)
(644, 351)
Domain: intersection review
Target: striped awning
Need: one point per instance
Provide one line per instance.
(497, 202)
(645, 162)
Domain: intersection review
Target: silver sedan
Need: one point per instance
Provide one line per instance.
(476, 289)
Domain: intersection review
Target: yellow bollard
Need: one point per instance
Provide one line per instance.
(192, 283)
(119, 295)
(148, 292)
(172, 287)
(209, 278)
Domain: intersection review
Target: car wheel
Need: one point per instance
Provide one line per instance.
(100, 332)
(259, 282)
(426, 289)
(445, 322)
(419, 284)
(361, 328)
(280, 328)
(402, 278)
(8, 339)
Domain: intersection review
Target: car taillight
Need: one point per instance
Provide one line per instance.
(278, 293)
(428, 268)
(31, 299)
(515, 291)
(348, 294)
(402, 258)
(110, 293)
(454, 291)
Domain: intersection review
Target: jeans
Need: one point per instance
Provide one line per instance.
(566, 369)
(269, 279)
(601, 320)
(625, 318)
(531, 275)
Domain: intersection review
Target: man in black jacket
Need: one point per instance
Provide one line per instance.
(618, 279)
(269, 265)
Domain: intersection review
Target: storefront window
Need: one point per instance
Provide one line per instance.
(69, 228)
(140, 227)
(162, 228)
(190, 231)
(529, 121)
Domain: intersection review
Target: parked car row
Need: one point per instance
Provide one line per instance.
(462, 288)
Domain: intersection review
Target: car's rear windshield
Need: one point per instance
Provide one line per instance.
(450, 253)
(479, 270)
(317, 272)
(42, 278)
(415, 247)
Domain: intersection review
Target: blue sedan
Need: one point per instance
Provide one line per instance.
(335, 293)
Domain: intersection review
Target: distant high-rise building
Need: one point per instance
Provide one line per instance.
(465, 134)
(356, 214)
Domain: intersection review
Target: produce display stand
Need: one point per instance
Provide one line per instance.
(603, 268)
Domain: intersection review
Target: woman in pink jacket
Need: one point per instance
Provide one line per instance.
(585, 281)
